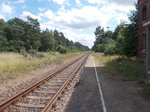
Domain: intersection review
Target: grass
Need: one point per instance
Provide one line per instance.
(13, 65)
(130, 68)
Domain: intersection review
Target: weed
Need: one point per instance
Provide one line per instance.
(128, 67)
(58, 60)
(13, 65)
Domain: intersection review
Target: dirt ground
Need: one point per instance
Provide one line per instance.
(119, 95)
(123, 95)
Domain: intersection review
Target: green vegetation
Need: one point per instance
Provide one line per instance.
(17, 35)
(119, 48)
(24, 47)
(128, 67)
(14, 64)
(122, 41)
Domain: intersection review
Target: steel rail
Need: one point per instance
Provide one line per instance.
(15, 98)
(48, 107)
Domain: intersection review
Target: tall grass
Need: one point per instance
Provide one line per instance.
(69, 55)
(128, 67)
(13, 64)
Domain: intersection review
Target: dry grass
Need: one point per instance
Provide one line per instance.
(13, 65)
(102, 59)
(69, 55)
(130, 68)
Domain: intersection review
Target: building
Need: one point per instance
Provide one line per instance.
(143, 17)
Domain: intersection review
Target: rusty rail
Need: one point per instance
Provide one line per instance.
(54, 99)
(14, 99)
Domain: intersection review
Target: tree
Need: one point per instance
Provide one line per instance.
(18, 35)
(99, 34)
(122, 41)
(109, 46)
(130, 47)
(62, 49)
(47, 41)
(108, 34)
(127, 36)
(33, 33)
(3, 40)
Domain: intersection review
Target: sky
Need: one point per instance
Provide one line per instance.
(77, 19)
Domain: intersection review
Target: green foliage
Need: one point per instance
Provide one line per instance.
(47, 41)
(109, 46)
(58, 60)
(17, 35)
(99, 34)
(32, 52)
(3, 44)
(130, 41)
(62, 49)
(122, 41)
(130, 68)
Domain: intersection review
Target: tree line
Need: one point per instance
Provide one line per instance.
(17, 35)
(123, 40)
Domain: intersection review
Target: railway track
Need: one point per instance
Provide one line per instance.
(41, 96)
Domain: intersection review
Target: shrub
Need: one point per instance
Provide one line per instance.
(110, 47)
(40, 55)
(62, 49)
(24, 53)
(32, 52)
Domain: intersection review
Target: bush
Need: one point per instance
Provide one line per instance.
(61, 49)
(110, 47)
(32, 52)
(24, 53)
(99, 48)
(40, 55)
(130, 68)
(58, 60)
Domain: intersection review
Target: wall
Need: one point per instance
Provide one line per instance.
(141, 50)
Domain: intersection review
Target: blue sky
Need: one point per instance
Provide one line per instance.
(77, 19)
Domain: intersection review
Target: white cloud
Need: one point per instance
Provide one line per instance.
(86, 17)
(119, 2)
(78, 2)
(96, 1)
(41, 0)
(1, 16)
(41, 9)
(5, 10)
(85, 39)
(26, 13)
(60, 2)
(19, 1)
(44, 26)
(48, 14)
(121, 17)
(78, 18)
